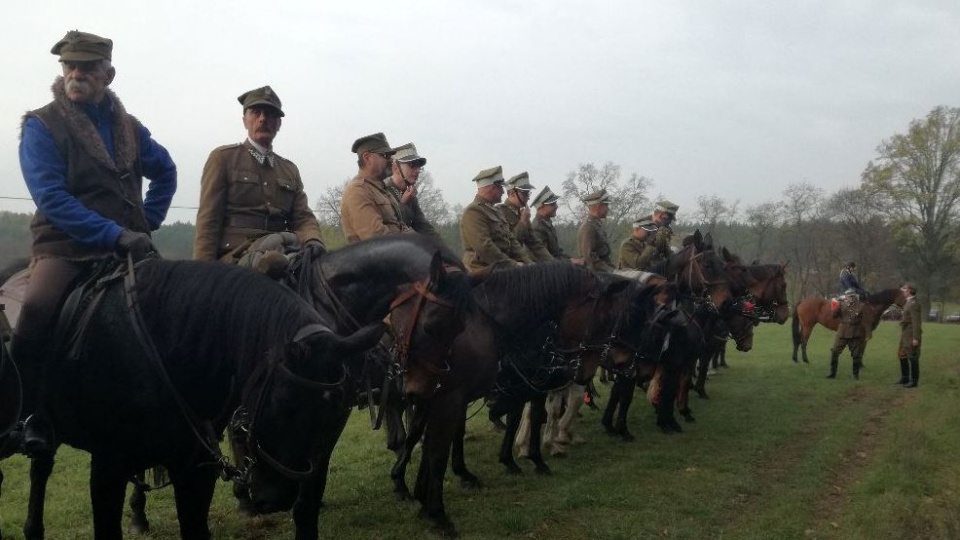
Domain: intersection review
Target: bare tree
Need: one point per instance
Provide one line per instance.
(713, 209)
(434, 207)
(328, 205)
(629, 199)
(763, 220)
(799, 240)
(917, 179)
(864, 236)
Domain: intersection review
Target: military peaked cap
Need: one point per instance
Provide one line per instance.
(667, 207)
(521, 182)
(597, 197)
(646, 224)
(260, 96)
(376, 143)
(546, 196)
(79, 46)
(407, 153)
(488, 177)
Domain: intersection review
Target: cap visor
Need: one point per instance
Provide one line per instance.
(80, 56)
(265, 104)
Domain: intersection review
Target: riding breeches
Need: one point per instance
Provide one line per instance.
(49, 280)
(857, 346)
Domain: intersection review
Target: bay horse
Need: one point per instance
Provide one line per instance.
(520, 314)
(161, 367)
(815, 309)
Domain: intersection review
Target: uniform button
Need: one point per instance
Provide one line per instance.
(264, 183)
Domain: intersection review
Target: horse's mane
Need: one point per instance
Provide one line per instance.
(377, 247)
(514, 295)
(217, 311)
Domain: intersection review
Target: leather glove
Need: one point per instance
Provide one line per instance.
(315, 248)
(137, 244)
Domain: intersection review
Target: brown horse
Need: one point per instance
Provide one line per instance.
(810, 311)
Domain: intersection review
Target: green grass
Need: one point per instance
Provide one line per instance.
(778, 452)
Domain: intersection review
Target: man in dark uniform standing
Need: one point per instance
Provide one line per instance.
(851, 333)
(486, 236)
(592, 237)
(83, 159)
(911, 329)
(517, 215)
(247, 191)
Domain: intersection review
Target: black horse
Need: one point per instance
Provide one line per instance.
(155, 384)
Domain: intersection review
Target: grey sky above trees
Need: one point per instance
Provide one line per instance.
(738, 99)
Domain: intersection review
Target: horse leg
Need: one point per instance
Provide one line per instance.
(393, 418)
(41, 466)
(804, 338)
(108, 488)
(537, 418)
(522, 441)
(506, 447)
(573, 401)
(722, 355)
(612, 403)
(399, 471)
(626, 398)
(683, 399)
(138, 506)
(703, 363)
(554, 406)
(306, 509)
(193, 491)
(440, 432)
(669, 384)
(467, 479)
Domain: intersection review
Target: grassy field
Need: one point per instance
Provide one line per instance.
(778, 452)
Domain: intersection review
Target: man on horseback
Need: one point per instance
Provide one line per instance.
(515, 211)
(486, 236)
(636, 252)
(545, 206)
(851, 333)
(592, 237)
(83, 159)
(369, 208)
(848, 280)
(664, 214)
(248, 192)
(402, 185)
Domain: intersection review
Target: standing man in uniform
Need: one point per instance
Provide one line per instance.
(486, 236)
(517, 215)
(402, 184)
(368, 208)
(248, 192)
(636, 253)
(83, 159)
(911, 328)
(592, 237)
(851, 332)
(545, 205)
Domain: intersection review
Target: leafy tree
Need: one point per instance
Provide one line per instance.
(916, 177)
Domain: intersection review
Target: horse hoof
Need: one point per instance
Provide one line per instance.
(514, 470)
(559, 454)
(402, 495)
(136, 527)
(442, 525)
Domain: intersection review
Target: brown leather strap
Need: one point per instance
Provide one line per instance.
(267, 223)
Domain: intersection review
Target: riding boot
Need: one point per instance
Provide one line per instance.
(857, 365)
(914, 373)
(30, 357)
(904, 372)
(834, 362)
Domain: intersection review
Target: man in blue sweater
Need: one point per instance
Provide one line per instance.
(83, 159)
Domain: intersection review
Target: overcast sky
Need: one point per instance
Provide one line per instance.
(721, 97)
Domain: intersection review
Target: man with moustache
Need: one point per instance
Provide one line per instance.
(367, 208)
(486, 236)
(248, 192)
(517, 215)
(83, 159)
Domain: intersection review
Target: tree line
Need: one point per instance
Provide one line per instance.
(899, 224)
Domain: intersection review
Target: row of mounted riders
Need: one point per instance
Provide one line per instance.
(141, 390)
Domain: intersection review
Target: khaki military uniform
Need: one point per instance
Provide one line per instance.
(487, 238)
(368, 209)
(911, 328)
(242, 199)
(543, 231)
(636, 254)
(410, 213)
(594, 246)
(523, 233)
(850, 334)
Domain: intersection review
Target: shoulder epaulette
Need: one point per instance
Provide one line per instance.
(227, 147)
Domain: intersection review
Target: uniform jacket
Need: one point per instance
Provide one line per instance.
(523, 232)
(594, 246)
(410, 213)
(636, 254)
(543, 231)
(487, 238)
(242, 200)
(368, 209)
(911, 325)
(850, 312)
(84, 166)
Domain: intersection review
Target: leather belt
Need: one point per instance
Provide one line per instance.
(268, 223)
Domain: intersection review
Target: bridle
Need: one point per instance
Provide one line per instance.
(419, 293)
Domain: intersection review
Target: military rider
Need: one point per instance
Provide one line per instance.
(515, 211)
(486, 236)
(592, 237)
(848, 279)
(636, 252)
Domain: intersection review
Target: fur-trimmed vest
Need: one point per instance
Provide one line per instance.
(112, 189)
